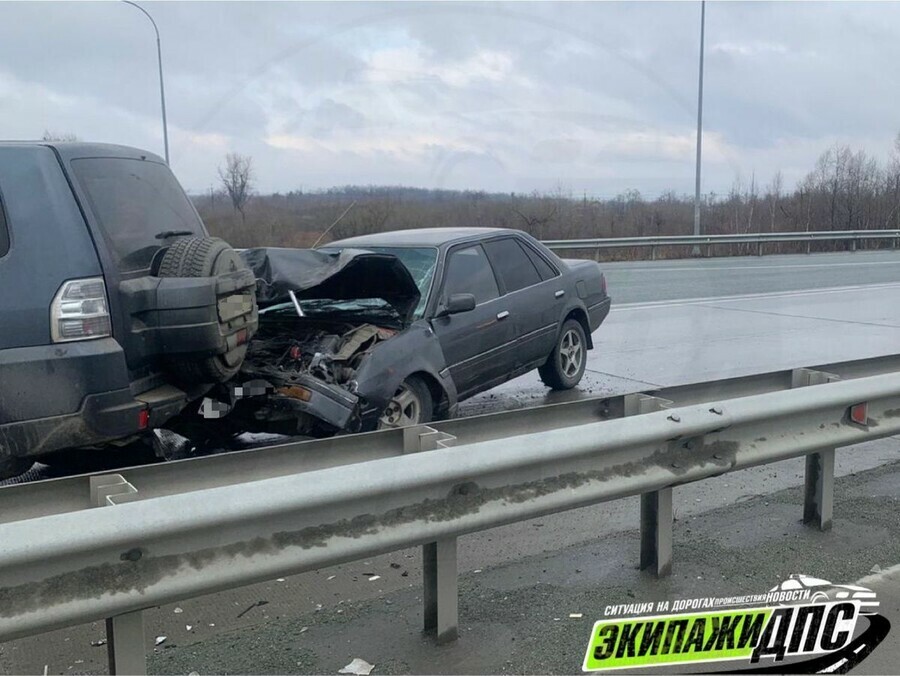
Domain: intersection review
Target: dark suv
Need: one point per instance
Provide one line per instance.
(117, 308)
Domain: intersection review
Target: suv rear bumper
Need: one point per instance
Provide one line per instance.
(73, 394)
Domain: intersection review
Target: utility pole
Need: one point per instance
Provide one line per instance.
(696, 250)
(162, 91)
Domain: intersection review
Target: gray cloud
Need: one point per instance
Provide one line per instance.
(595, 97)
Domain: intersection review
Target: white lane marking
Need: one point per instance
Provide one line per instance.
(715, 268)
(771, 294)
(879, 576)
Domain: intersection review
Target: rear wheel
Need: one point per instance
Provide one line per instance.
(412, 404)
(565, 365)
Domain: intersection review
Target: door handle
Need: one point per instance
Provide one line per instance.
(560, 293)
(503, 315)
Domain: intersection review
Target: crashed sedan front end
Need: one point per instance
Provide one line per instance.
(315, 367)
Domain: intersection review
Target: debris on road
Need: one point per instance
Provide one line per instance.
(358, 667)
(875, 569)
(160, 640)
(99, 642)
(394, 565)
(178, 611)
(261, 602)
(372, 578)
(280, 579)
(576, 616)
(303, 629)
(188, 627)
(331, 577)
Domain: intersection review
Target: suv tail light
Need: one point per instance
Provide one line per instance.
(80, 311)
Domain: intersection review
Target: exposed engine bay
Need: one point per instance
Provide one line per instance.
(328, 351)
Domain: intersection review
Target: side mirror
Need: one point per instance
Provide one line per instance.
(456, 303)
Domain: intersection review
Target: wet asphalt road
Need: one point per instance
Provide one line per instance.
(735, 533)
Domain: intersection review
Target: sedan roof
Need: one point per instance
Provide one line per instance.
(420, 237)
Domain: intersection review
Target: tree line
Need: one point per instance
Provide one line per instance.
(846, 190)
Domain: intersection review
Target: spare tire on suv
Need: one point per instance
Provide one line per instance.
(236, 305)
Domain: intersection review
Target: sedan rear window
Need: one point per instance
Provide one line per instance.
(136, 203)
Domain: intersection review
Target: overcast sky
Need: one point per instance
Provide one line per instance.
(597, 97)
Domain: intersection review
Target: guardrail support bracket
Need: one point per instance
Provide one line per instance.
(440, 576)
(657, 516)
(441, 593)
(818, 493)
(125, 644)
(124, 633)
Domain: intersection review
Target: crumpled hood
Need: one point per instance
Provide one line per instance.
(347, 274)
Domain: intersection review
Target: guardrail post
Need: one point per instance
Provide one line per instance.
(656, 531)
(818, 493)
(440, 574)
(657, 515)
(818, 499)
(124, 633)
(759, 248)
(441, 591)
(125, 644)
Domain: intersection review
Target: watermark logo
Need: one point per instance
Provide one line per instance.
(810, 624)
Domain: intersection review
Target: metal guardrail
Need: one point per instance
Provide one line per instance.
(852, 236)
(84, 564)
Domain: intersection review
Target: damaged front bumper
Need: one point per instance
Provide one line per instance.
(301, 395)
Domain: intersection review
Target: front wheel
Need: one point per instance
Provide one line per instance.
(565, 365)
(411, 404)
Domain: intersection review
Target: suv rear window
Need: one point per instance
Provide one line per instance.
(135, 203)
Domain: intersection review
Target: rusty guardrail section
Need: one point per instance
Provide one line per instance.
(852, 236)
(131, 554)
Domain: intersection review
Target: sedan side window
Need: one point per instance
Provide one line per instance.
(468, 271)
(544, 268)
(512, 264)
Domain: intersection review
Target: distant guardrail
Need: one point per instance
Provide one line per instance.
(854, 237)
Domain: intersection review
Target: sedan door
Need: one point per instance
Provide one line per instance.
(533, 296)
(478, 345)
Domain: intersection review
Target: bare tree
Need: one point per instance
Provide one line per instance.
(57, 136)
(237, 179)
(773, 193)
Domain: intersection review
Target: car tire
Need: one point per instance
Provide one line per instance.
(412, 404)
(13, 466)
(204, 257)
(565, 365)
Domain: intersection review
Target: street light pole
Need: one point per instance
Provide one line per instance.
(162, 91)
(699, 128)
